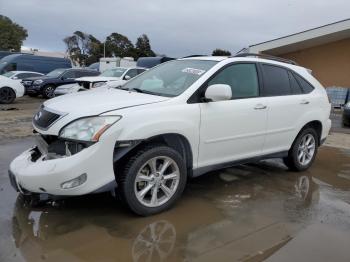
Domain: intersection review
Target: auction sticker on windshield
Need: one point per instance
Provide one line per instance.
(193, 71)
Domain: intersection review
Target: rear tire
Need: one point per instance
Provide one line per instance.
(303, 151)
(48, 91)
(152, 180)
(7, 95)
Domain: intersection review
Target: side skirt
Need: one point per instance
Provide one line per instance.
(202, 170)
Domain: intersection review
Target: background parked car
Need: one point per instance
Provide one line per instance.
(87, 85)
(20, 75)
(9, 90)
(24, 62)
(149, 62)
(119, 73)
(46, 85)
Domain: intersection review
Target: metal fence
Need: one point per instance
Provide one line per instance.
(338, 96)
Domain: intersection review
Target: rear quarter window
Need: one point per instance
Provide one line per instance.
(306, 86)
(276, 81)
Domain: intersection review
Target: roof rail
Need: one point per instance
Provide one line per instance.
(269, 57)
(193, 56)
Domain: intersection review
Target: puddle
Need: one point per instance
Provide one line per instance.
(245, 213)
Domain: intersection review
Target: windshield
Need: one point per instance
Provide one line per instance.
(116, 72)
(171, 78)
(56, 72)
(9, 74)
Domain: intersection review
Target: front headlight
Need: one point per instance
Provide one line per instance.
(98, 84)
(38, 82)
(89, 128)
(347, 105)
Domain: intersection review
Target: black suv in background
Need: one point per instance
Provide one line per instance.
(46, 85)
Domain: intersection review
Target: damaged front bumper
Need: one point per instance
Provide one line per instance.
(53, 164)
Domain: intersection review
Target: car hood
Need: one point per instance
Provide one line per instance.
(98, 101)
(96, 78)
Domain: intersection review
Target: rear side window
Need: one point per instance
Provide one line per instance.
(86, 73)
(242, 78)
(132, 73)
(70, 74)
(296, 89)
(307, 88)
(276, 81)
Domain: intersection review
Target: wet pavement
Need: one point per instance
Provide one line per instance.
(248, 213)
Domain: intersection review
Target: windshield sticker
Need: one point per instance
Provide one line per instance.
(193, 71)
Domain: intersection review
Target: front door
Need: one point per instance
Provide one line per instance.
(233, 129)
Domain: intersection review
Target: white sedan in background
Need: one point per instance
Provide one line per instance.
(9, 90)
(19, 75)
(111, 78)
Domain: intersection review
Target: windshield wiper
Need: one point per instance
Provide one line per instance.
(138, 90)
(121, 87)
(147, 92)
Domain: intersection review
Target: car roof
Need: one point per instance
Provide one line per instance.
(245, 59)
(20, 72)
(80, 68)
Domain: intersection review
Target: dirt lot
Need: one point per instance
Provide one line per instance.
(251, 212)
(15, 119)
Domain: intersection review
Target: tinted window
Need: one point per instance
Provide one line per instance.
(242, 78)
(296, 89)
(132, 73)
(307, 88)
(70, 74)
(139, 71)
(86, 73)
(276, 81)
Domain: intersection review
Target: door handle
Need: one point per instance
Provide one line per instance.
(260, 106)
(304, 102)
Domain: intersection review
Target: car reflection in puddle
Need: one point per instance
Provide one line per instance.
(242, 213)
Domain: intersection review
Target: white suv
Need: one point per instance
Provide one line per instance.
(178, 120)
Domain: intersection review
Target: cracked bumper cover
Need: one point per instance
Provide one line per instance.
(46, 176)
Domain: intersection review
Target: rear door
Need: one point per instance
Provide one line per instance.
(286, 103)
(233, 129)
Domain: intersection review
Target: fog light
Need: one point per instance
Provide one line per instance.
(74, 182)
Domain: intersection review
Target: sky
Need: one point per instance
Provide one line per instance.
(175, 28)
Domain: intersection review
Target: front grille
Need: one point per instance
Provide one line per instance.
(45, 118)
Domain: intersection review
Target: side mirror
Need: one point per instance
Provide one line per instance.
(218, 92)
(15, 78)
(127, 77)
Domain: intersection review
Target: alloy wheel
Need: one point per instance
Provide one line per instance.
(306, 149)
(49, 91)
(157, 181)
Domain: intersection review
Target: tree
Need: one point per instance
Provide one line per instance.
(12, 35)
(83, 49)
(221, 52)
(118, 45)
(143, 47)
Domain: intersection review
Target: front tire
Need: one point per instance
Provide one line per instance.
(303, 151)
(7, 95)
(48, 91)
(152, 180)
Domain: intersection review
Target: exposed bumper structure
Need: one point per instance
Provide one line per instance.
(42, 174)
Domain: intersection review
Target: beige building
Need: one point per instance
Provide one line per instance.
(325, 50)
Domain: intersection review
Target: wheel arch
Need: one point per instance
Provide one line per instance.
(174, 140)
(315, 124)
